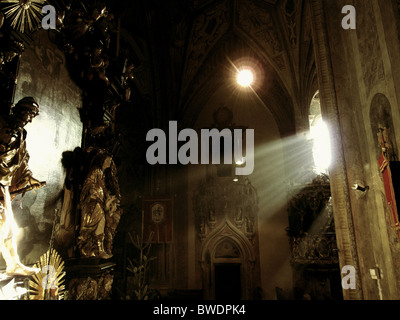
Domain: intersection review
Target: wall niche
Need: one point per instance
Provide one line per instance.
(381, 118)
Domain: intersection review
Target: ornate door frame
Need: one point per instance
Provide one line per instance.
(227, 232)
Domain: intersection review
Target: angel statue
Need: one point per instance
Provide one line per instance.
(98, 203)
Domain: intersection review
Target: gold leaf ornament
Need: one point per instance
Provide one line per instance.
(47, 284)
(23, 14)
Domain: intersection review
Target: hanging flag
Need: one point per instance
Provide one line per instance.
(157, 220)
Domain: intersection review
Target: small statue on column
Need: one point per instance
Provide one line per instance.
(385, 143)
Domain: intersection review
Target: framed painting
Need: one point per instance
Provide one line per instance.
(157, 219)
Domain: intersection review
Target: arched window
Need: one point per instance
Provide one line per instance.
(319, 133)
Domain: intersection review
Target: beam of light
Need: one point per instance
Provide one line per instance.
(277, 170)
(283, 167)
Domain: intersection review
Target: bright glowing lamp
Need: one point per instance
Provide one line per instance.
(245, 78)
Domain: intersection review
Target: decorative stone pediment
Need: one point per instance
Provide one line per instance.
(227, 241)
(222, 199)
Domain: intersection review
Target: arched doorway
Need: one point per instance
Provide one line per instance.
(227, 262)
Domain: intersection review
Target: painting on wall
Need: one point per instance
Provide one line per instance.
(157, 219)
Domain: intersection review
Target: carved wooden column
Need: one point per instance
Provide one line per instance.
(338, 176)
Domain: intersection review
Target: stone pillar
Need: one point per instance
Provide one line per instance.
(343, 215)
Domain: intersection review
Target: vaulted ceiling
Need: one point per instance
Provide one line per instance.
(185, 49)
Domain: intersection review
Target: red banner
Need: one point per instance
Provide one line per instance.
(387, 167)
(157, 220)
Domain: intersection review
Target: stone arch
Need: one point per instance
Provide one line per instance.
(227, 245)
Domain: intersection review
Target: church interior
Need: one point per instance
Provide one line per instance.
(105, 104)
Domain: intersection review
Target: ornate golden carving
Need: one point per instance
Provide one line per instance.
(48, 283)
(24, 14)
(98, 288)
(15, 177)
(99, 204)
